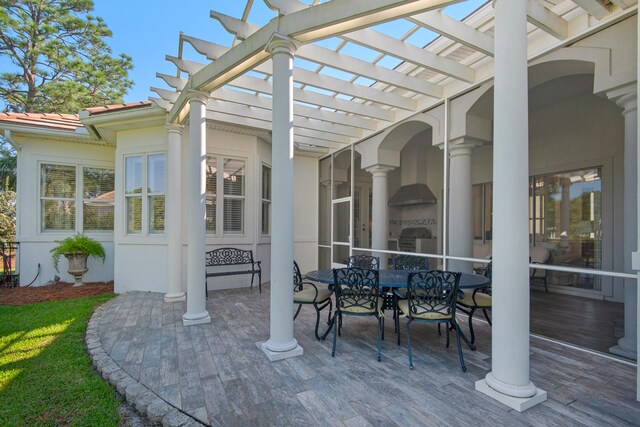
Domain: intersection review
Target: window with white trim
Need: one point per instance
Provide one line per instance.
(76, 198)
(227, 216)
(266, 201)
(145, 188)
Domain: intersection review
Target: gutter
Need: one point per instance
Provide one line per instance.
(12, 142)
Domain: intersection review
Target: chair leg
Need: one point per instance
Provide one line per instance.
(397, 322)
(335, 334)
(330, 309)
(457, 328)
(317, 320)
(439, 332)
(381, 319)
(409, 344)
(330, 327)
(545, 285)
(486, 316)
(447, 334)
(297, 311)
(380, 333)
(473, 335)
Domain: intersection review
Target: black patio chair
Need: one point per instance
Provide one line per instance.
(479, 299)
(403, 262)
(319, 298)
(409, 262)
(431, 298)
(357, 294)
(364, 261)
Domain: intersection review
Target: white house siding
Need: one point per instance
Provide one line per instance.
(36, 244)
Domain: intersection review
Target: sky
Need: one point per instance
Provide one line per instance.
(147, 30)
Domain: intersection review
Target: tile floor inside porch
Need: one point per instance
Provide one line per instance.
(216, 373)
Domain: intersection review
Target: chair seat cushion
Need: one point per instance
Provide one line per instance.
(439, 314)
(358, 309)
(309, 295)
(479, 300)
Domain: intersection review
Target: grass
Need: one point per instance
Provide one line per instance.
(46, 376)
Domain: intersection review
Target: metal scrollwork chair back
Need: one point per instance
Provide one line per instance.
(357, 293)
(364, 261)
(431, 297)
(410, 262)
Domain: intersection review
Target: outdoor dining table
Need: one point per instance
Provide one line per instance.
(397, 279)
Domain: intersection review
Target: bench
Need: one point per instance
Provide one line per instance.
(223, 257)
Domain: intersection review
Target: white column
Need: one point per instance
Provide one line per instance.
(460, 204)
(379, 210)
(175, 290)
(281, 343)
(627, 99)
(196, 294)
(508, 382)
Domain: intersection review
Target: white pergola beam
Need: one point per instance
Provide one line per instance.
(165, 94)
(359, 67)
(263, 86)
(322, 21)
(315, 134)
(546, 20)
(260, 107)
(353, 65)
(302, 76)
(624, 4)
(381, 42)
(173, 81)
(596, 8)
(371, 39)
(455, 30)
(317, 142)
(189, 67)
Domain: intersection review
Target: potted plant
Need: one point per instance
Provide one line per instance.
(76, 249)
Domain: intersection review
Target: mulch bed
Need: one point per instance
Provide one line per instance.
(58, 292)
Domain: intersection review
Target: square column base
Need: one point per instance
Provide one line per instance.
(518, 403)
(279, 355)
(191, 322)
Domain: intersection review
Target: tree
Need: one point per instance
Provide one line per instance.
(7, 216)
(62, 61)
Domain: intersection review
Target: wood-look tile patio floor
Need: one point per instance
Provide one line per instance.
(217, 374)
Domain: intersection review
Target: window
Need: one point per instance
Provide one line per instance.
(232, 182)
(266, 200)
(64, 188)
(57, 197)
(97, 199)
(145, 186)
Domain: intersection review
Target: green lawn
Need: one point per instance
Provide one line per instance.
(46, 377)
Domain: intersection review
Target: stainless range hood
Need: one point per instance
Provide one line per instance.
(412, 194)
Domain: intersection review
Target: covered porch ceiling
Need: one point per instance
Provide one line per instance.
(360, 66)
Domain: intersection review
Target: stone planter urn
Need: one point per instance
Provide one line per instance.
(77, 266)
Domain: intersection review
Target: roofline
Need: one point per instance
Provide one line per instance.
(128, 114)
(47, 132)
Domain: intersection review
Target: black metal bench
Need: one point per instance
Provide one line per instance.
(224, 257)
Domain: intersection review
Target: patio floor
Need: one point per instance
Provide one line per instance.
(217, 374)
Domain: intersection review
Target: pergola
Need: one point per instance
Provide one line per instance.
(328, 99)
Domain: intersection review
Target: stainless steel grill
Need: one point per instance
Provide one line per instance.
(409, 236)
